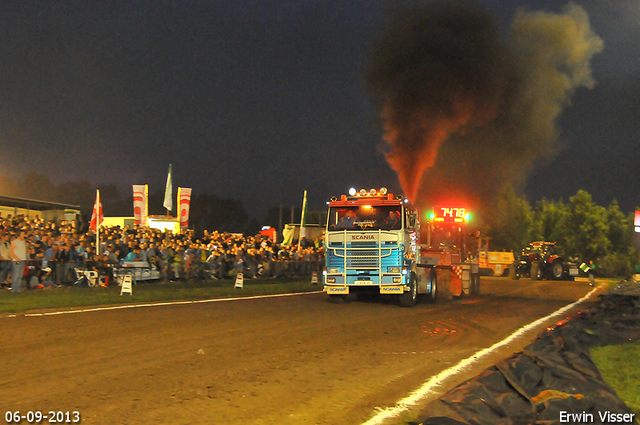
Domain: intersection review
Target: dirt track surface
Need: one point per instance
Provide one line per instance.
(285, 360)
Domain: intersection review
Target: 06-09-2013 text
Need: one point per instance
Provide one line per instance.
(50, 417)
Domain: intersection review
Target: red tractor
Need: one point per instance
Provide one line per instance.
(540, 260)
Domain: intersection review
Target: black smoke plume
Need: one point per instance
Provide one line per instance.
(465, 110)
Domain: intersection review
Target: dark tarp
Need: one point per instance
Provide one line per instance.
(553, 374)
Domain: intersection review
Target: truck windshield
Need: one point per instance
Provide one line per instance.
(446, 237)
(365, 217)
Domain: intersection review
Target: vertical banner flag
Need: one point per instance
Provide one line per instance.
(168, 200)
(145, 216)
(139, 204)
(287, 234)
(97, 217)
(184, 203)
(303, 219)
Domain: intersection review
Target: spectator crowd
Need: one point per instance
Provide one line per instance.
(39, 254)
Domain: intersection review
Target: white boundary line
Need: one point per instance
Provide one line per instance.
(125, 306)
(428, 387)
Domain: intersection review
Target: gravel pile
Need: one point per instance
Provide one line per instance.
(626, 287)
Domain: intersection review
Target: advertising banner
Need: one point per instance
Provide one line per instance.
(184, 201)
(140, 201)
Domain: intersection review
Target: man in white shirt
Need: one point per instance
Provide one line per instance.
(18, 254)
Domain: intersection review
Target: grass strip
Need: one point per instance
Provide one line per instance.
(70, 297)
(618, 365)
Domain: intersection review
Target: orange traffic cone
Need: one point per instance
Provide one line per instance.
(106, 282)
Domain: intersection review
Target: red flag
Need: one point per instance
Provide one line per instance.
(97, 217)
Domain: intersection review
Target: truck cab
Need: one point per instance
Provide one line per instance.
(372, 246)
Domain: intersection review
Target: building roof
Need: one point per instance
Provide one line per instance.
(34, 204)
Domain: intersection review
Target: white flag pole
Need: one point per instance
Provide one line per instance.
(97, 206)
(302, 218)
(168, 202)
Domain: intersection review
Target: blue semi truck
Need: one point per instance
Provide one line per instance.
(372, 244)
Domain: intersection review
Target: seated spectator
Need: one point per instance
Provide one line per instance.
(134, 255)
(105, 270)
(112, 258)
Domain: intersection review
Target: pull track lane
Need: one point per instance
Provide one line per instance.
(287, 360)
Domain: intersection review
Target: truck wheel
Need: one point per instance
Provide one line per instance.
(408, 299)
(432, 296)
(337, 299)
(557, 270)
(535, 271)
(513, 272)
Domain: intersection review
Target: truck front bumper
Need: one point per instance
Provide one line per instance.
(347, 289)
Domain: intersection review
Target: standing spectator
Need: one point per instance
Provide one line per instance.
(168, 258)
(215, 261)
(18, 254)
(81, 249)
(51, 254)
(5, 258)
(252, 267)
(238, 264)
(62, 259)
(178, 263)
(72, 262)
(190, 268)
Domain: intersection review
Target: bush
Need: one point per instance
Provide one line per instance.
(617, 265)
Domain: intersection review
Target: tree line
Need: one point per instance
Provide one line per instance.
(581, 229)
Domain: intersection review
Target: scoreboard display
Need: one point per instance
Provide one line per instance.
(450, 215)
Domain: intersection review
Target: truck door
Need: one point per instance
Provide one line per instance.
(412, 229)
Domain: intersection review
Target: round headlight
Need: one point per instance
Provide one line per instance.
(373, 192)
(363, 192)
(352, 191)
(383, 191)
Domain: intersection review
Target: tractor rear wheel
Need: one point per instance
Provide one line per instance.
(557, 271)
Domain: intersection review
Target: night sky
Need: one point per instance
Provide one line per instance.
(261, 100)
